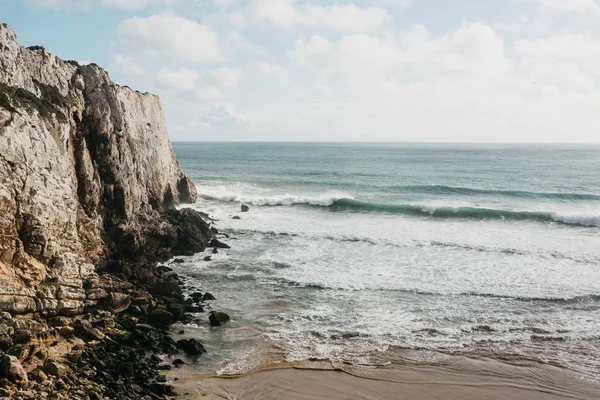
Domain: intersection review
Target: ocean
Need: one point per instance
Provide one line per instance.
(353, 252)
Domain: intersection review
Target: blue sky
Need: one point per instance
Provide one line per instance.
(380, 70)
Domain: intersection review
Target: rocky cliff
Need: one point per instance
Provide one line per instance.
(87, 176)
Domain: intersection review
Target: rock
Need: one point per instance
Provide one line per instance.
(167, 288)
(160, 389)
(207, 296)
(215, 250)
(236, 217)
(66, 331)
(119, 302)
(178, 261)
(57, 369)
(197, 297)
(11, 369)
(22, 337)
(164, 269)
(86, 331)
(178, 362)
(178, 310)
(245, 208)
(218, 318)
(159, 316)
(191, 347)
(218, 244)
(58, 321)
(214, 230)
(207, 258)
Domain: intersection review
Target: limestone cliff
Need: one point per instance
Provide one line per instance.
(88, 182)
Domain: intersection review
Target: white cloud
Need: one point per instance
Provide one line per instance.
(346, 17)
(183, 79)
(169, 36)
(559, 6)
(127, 65)
(88, 5)
(226, 77)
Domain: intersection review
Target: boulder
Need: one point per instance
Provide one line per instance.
(57, 369)
(158, 316)
(11, 369)
(178, 261)
(237, 217)
(218, 244)
(191, 347)
(86, 331)
(245, 208)
(207, 297)
(197, 297)
(207, 258)
(218, 318)
(119, 302)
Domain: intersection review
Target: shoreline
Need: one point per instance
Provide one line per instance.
(459, 377)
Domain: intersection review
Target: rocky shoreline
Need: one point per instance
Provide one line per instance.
(89, 189)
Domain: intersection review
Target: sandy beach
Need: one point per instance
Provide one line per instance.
(461, 379)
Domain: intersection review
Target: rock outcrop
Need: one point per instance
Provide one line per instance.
(88, 182)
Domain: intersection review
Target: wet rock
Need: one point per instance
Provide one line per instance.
(159, 316)
(196, 296)
(178, 261)
(237, 217)
(164, 269)
(214, 230)
(218, 318)
(167, 288)
(245, 208)
(178, 310)
(207, 297)
(218, 244)
(207, 258)
(178, 362)
(191, 347)
(215, 250)
(11, 369)
(160, 389)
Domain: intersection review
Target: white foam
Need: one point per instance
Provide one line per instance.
(578, 219)
(257, 196)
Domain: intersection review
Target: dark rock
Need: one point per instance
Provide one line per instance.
(218, 318)
(178, 362)
(215, 250)
(245, 208)
(161, 379)
(167, 288)
(207, 258)
(159, 316)
(86, 331)
(119, 302)
(178, 261)
(66, 331)
(195, 309)
(207, 297)
(5, 342)
(178, 310)
(164, 269)
(191, 347)
(160, 389)
(11, 369)
(197, 297)
(22, 337)
(237, 217)
(217, 243)
(163, 367)
(214, 230)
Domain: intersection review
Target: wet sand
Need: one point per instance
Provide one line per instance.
(460, 379)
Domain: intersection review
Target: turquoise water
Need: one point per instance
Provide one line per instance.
(352, 249)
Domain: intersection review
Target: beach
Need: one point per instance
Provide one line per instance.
(460, 379)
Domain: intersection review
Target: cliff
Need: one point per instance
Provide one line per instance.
(87, 174)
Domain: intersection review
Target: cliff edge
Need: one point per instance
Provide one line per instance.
(86, 169)
(89, 185)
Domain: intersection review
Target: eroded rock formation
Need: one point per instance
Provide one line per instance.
(88, 182)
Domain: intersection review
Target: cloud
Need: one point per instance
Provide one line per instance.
(288, 14)
(169, 36)
(88, 5)
(559, 6)
(127, 65)
(226, 77)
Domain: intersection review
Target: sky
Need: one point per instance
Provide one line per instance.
(379, 70)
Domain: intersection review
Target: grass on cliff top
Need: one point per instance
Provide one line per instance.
(50, 102)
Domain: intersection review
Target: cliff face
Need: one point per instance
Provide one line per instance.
(88, 182)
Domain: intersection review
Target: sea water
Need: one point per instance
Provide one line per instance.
(352, 250)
